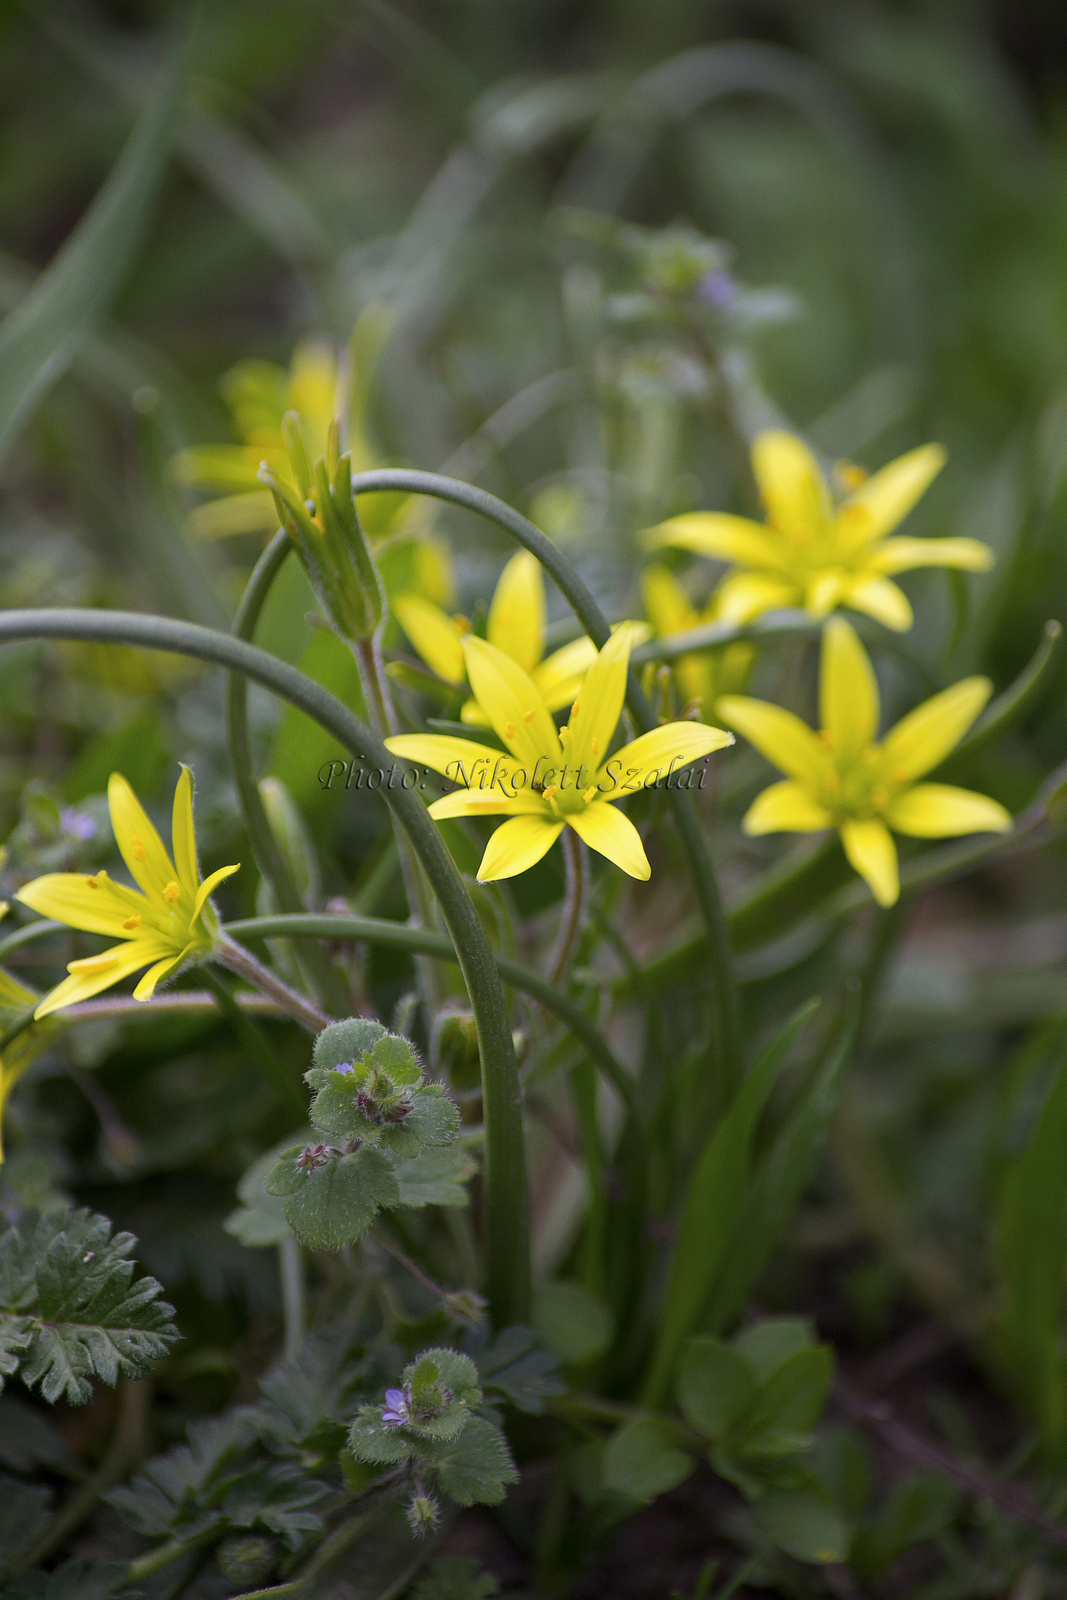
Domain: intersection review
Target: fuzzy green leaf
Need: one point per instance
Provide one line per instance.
(331, 1205)
(435, 1177)
(70, 1310)
(477, 1465)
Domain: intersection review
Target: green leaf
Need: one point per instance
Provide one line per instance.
(477, 1465)
(575, 1324)
(69, 1310)
(716, 1386)
(803, 1524)
(1032, 1253)
(331, 1205)
(24, 1512)
(769, 1344)
(777, 1184)
(73, 1580)
(921, 1505)
(260, 1218)
(455, 1578)
(435, 1177)
(40, 338)
(515, 1366)
(343, 1042)
(789, 1403)
(712, 1205)
(642, 1460)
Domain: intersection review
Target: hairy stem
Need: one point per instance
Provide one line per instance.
(294, 1296)
(246, 966)
(577, 865)
(506, 1231)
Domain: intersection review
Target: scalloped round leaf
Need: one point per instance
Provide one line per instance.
(476, 1467)
(285, 1177)
(435, 1177)
(434, 1119)
(345, 1041)
(453, 1368)
(337, 1202)
(334, 1111)
(371, 1441)
(398, 1057)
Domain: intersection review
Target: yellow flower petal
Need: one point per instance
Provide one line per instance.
(883, 601)
(71, 897)
(778, 735)
(254, 512)
(516, 621)
(870, 849)
(888, 495)
(718, 535)
(559, 676)
(183, 837)
(744, 595)
(462, 760)
(848, 692)
(209, 886)
(667, 603)
(606, 830)
(658, 754)
(926, 735)
(791, 485)
(786, 807)
(940, 810)
(147, 986)
(901, 554)
(511, 702)
(516, 846)
(468, 803)
(433, 634)
(140, 844)
(825, 591)
(100, 972)
(596, 711)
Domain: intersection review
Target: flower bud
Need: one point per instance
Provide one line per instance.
(246, 1559)
(423, 1514)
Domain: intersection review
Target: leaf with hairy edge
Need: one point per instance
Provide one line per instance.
(331, 1204)
(70, 1310)
(40, 338)
(477, 1465)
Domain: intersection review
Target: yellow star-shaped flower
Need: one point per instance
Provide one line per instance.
(842, 778)
(702, 677)
(544, 781)
(816, 553)
(170, 922)
(515, 625)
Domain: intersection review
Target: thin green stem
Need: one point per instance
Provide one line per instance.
(506, 1198)
(577, 867)
(399, 936)
(727, 1026)
(325, 984)
(294, 1295)
(246, 966)
(30, 934)
(248, 1035)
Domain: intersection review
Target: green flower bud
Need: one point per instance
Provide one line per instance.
(247, 1558)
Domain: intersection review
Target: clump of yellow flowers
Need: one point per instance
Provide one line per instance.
(169, 922)
(813, 551)
(842, 777)
(568, 778)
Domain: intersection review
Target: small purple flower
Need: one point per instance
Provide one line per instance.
(345, 1069)
(717, 289)
(77, 824)
(397, 1408)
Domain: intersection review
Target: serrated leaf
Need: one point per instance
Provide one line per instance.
(178, 1493)
(515, 1366)
(277, 1497)
(642, 1460)
(477, 1465)
(68, 1285)
(435, 1177)
(336, 1203)
(309, 1400)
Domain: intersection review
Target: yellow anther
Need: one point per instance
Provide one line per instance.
(575, 709)
(849, 476)
(595, 746)
(509, 729)
(461, 624)
(528, 716)
(564, 735)
(131, 923)
(171, 892)
(92, 883)
(879, 798)
(590, 793)
(552, 789)
(137, 849)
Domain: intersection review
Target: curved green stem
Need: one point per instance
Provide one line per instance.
(726, 1014)
(270, 858)
(246, 966)
(506, 1200)
(573, 905)
(400, 936)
